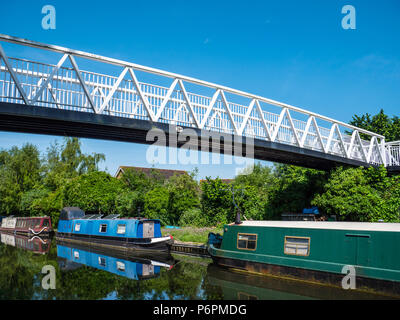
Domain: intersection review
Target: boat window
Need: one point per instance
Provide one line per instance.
(103, 228)
(121, 228)
(102, 261)
(120, 266)
(299, 246)
(77, 227)
(45, 223)
(247, 241)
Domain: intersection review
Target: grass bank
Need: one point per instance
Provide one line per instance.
(191, 234)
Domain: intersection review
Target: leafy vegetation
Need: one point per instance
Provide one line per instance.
(379, 123)
(191, 234)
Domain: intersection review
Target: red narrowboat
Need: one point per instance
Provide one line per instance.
(31, 226)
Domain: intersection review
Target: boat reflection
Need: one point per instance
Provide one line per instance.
(35, 244)
(236, 285)
(136, 267)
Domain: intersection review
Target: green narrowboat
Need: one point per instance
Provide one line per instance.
(317, 251)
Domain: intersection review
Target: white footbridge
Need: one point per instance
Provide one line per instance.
(123, 89)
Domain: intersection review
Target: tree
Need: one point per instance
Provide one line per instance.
(183, 195)
(139, 184)
(67, 161)
(251, 202)
(261, 177)
(156, 204)
(256, 185)
(294, 189)
(94, 192)
(20, 171)
(380, 124)
(216, 201)
(360, 194)
(348, 195)
(48, 204)
(193, 217)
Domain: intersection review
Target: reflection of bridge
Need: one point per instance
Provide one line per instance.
(57, 97)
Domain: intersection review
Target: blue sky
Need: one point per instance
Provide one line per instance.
(292, 51)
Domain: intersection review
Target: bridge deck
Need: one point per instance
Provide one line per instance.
(29, 119)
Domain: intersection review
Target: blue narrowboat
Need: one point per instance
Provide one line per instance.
(110, 232)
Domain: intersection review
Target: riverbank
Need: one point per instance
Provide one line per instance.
(191, 234)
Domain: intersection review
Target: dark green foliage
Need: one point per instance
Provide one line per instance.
(156, 204)
(294, 189)
(183, 195)
(379, 123)
(139, 184)
(67, 161)
(20, 171)
(358, 194)
(94, 192)
(348, 195)
(155, 197)
(216, 201)
(193, 217)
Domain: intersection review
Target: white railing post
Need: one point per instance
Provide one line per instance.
(383, 148)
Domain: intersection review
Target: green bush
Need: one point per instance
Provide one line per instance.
(358, 194)
(193, 217)
(156, 205)
(95, 192)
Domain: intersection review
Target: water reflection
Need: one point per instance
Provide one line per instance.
(83, 273)
(235, 285)
(35, 244)
(138, 267)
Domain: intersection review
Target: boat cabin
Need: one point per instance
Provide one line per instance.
(73, 220)
(112, 232)
(27, 225)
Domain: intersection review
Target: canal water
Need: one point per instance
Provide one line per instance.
(46, 269)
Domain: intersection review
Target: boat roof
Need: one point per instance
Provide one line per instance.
(99, 218)
(332, 225)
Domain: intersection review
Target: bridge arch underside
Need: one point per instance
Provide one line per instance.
(41, 120)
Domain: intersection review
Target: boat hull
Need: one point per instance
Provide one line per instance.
(221, 258)
(162, 244)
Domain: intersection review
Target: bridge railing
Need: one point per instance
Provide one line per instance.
(393, 153)
(65, 86)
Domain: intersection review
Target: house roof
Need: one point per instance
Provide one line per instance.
(167, 173)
